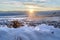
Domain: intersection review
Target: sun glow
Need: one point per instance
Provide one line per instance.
(30, 9)
(31, 12)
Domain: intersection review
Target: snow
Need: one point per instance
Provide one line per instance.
(40, 32)
(44, 27)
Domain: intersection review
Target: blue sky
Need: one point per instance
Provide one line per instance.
(13, 5)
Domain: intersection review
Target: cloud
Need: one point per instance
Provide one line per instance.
(41, 1)
(21, 4)
(12, 3)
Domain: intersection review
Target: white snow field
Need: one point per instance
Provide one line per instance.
(41, 32)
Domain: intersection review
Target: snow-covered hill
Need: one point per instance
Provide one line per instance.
(40, 32)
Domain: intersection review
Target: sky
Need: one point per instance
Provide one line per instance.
(22, 5)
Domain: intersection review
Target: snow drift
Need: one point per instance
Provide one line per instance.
(40, 32)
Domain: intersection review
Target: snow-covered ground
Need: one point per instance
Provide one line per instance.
(40, 32)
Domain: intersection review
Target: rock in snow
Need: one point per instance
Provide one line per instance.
(41, 32)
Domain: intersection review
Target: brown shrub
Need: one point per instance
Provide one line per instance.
(15, 24)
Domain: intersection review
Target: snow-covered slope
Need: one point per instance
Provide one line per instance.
(41, 32)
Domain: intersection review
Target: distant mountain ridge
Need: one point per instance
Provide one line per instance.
(40, 13)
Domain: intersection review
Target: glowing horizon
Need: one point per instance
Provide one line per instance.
(21, 5)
